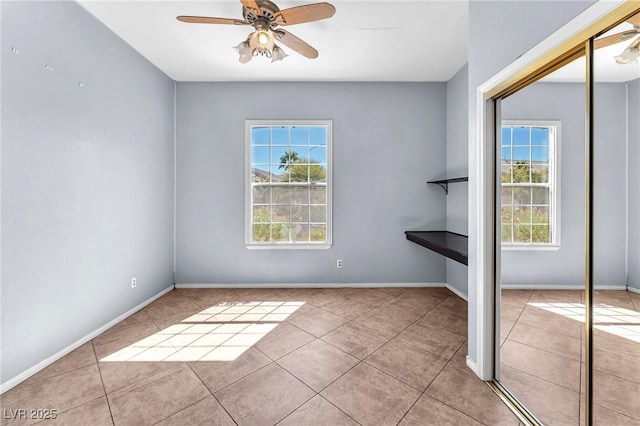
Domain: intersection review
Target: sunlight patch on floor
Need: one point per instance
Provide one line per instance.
(611, 319)
(221, 332)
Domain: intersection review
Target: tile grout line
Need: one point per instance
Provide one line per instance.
(543, 349)
(545, 380)
(184, 408)
(104, 389)
(210, 393)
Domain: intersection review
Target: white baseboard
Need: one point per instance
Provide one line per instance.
(457, 292)
(75, 345)
(305, 285)
(560, 287)
(472, 365)
(633, 290)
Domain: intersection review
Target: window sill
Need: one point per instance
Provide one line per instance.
(528, 247)
(297, 246)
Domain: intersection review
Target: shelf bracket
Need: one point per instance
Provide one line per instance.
(443, 185)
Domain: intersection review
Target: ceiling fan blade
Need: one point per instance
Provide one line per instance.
(613, 39)
(210, 20)
(295, 43)
(635, 20)
(305, 13)
(252, 4)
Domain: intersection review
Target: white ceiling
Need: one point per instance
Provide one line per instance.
(364, 41)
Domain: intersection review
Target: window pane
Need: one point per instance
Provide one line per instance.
(298, 172)
(280, 214)
(507, 214)
(506, 153)
(540, 234)
(540, 195)
(261, 232)
(318, 232)
(521, 172)
(299, 135)
(280, 232)
(540, 136)
(540, 215)
(261, 214)
(300, 232)
(521, 135)
(299, 195)
(318, 136)
(522, 196)
(317, 173)
(506, 233)
(540, 154)
(260, 155)
(521, 233)
(521, 153)
(318, 154)
(280, 195)
(540, 173)
(283, 156)
(522, 214)
(507, 195)
(260, 173)
(318, 214)
(277, 174)
(280, 136)
(506, 173)
(506, 136)
(261, 195)
(300, 214)
(260, 136)
(318, 195)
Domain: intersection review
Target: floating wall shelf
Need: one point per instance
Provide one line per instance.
(449, 244)
(444, 183)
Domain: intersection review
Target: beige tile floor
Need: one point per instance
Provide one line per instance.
(542, 355)
(296, 357)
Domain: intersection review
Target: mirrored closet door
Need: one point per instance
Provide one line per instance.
(567, 232)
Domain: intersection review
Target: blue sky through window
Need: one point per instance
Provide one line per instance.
(270, 143)
(525, 143)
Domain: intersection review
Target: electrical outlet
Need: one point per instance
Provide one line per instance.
(133, 282)
(339, 263)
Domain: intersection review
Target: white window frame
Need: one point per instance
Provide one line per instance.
(554, 184)
(249, 124)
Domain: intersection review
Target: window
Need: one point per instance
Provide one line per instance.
(529, 183)
(288, 184)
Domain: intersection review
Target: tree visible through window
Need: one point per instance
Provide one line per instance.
(528, 176)
(289, 193)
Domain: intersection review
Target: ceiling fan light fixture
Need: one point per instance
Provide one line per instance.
(278, 54)
(629, 56)
(262, 42)
(244, 50)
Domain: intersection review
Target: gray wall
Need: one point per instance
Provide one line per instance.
(457, 166)
(565, 266)
(633, 92)
(87, 177)
(389, 139)
(499, 32)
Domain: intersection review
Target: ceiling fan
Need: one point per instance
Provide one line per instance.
(266, 18)
(632, 52)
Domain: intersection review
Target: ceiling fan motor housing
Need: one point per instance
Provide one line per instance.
(268, 12)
